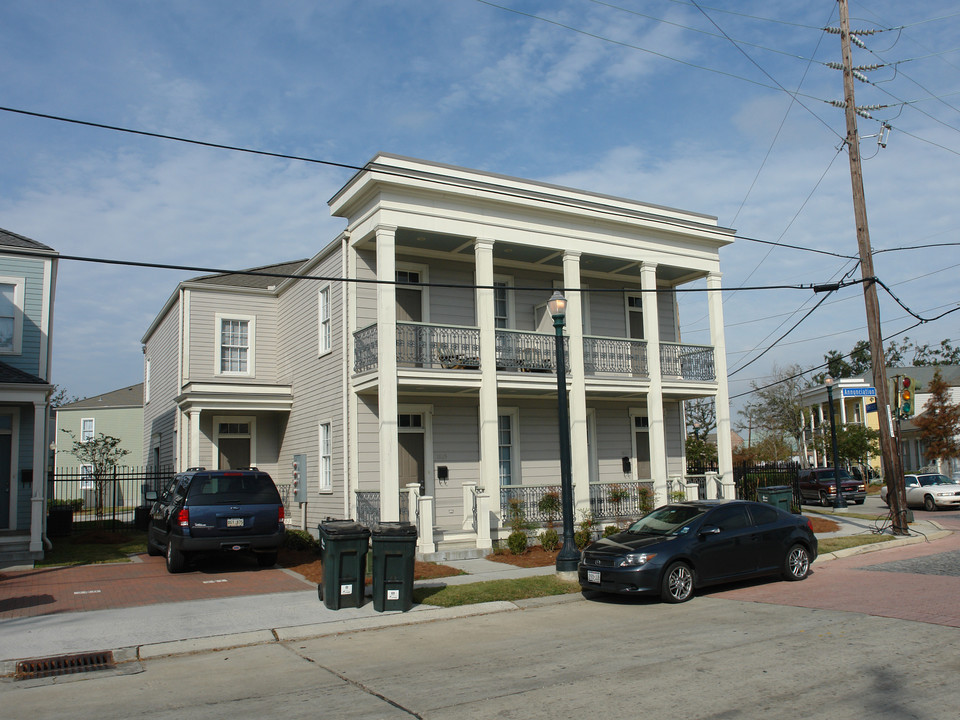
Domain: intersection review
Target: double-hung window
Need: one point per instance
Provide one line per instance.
(87, 429)
(323, 312)
(326, 459)
(235, 343)
(11, 315)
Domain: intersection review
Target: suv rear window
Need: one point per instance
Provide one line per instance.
(233, 488)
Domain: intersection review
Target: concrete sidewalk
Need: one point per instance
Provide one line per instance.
(180, 627)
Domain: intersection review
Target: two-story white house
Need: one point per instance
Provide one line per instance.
(28, 274)
(409, 367)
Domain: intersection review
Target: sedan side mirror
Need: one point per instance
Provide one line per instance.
(709, 530)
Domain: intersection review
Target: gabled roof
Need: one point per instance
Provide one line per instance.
(241, 279)
(10, 374)
(128, 397)
(11, 239)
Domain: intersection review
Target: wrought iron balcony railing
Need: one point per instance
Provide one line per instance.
(614, 355)
(452, 347)
(689, 362)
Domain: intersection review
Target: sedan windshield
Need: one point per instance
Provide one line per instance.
(927, 480)
(666, 520)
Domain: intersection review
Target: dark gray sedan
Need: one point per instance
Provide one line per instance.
(681, 547)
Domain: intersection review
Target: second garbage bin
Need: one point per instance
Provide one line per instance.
(343, 552)
(780, 496)
(394, 550)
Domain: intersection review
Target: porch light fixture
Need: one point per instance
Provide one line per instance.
(838, 501)
(569, 557)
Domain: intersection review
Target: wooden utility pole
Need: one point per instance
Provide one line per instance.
(892, 471)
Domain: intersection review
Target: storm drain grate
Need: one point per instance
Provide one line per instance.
(65, 665)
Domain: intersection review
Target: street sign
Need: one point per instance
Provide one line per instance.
(859, 392)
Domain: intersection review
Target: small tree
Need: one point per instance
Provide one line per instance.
(939, 423)
(854, 443)
(102, 453)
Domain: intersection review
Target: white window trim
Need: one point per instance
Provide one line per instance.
(251, 321)
(325, 484)
(324, 327)
(515, 464)
(146, 381)
(93, 429)
(18, 285)
(252, 424)
(424, 271)
(627, 310)
(511, 301)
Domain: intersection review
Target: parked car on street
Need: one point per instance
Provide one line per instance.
(929, 491)
(818, 485)
(680, 547)
(205, 511)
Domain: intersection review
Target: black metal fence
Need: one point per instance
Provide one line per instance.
(111, 498)
(748, 478)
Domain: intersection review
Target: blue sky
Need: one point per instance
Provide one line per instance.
(658, 100)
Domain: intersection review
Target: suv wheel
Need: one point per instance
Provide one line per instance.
(825, 500)
(176, 560)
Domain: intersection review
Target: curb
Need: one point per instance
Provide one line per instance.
(876, 547)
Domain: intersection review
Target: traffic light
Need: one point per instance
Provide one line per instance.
(907, 399)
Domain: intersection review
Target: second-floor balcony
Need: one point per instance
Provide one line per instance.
(451, 347)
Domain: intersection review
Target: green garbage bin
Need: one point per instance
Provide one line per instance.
(780, 496)
(343, 552)
(394, 551)
(60, 521)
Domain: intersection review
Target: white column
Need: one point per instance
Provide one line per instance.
(579, 457)
(813, 430)
(387, 369)
(425, 540)
(715, 309)
(194, 459)
(843, 407)
(651, 333)
(39, 484)
(489, 413)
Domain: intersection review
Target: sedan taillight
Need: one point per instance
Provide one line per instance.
(183, 517)
(281, 514)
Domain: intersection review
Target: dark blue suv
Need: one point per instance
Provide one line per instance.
(205, 511)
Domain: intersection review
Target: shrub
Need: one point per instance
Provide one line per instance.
(617, 494)
(611, 530)
(76, 504)
(300, 540)
(644, 499)
(678, 496)
(584, 533)
(517, 542)
(549, 505)
(550, 540)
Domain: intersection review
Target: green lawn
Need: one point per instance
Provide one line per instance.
(491, 590)
(87, 546)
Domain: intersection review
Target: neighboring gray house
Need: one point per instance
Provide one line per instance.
(408, 368)
(118, 413)
(28, 275)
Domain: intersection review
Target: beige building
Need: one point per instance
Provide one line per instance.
(409, 367)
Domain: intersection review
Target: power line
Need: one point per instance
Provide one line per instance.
(373, 281)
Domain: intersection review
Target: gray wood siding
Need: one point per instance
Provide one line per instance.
(607, 313)
(667, 312)
(673, 437)
(456, 445)
(450, 306)
(159, 414)
(614, 442)
(366, 296)
(32, 272)
(319, 382)
(368, 445)
(204, 307)
(539, 443)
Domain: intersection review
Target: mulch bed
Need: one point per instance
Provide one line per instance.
(307, 563)
(534, 556)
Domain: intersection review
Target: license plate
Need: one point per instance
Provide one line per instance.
(593, 576)
(234, 522)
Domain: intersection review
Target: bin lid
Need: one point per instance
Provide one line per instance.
(395, 529)
(776, 488)
(343, 527)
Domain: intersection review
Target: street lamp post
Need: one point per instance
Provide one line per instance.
(569, 556)
(838, 501)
